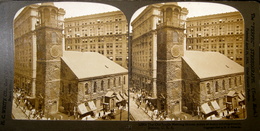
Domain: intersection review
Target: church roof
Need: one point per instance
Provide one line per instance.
(91, 64)
(211, 64)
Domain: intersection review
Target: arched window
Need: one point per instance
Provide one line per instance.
(175, 36)
(235, 82)
(102, 85)
(216, 86)
(53, 15)
(114, 83)
(108, 83)
(62, 87)
(208, 88)
(184, 87)
(191, 88)
(168, 14)
(240, 80)
(229, 82)
(69, 90)
(53, 37)
(95, 87)
(119, 81)
(46, 15)
(223, 85)
(86, 88)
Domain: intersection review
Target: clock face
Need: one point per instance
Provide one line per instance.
(175, 51)
(55, 51)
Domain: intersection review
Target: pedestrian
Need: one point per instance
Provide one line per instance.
(161, 117)
(61, 117)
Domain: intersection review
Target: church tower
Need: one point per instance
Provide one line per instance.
(170, 49)
(49, 50)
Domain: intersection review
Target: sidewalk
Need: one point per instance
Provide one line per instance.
(182, 115)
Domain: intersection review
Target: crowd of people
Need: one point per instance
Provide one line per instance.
(141, 99)
(22, 101)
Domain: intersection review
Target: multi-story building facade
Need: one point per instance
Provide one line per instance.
(25, 49)
(105, 33)
(222, 33)
(144, 49)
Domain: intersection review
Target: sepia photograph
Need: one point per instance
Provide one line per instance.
(129, 65)
(187, 67)
(70, 67)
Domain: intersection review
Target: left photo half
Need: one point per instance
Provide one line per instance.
(71, 62)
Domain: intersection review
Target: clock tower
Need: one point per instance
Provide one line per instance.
(49, 50)
(170, 49)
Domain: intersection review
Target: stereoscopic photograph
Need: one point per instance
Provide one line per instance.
(174, 61)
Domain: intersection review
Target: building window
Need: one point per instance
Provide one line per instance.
(86, 88)
(119, 80)
(54, 37)
(69, 88)
(223, 85)
(175, 37)
(124, 79)
(114, 83)
(240, 80)
(235, 82)
(208, 88)
(191, 88)
(95, 87)
(216, 86)
(229, 82)
(102, 85)
(62, 87)
(108, 83)
(184, 87)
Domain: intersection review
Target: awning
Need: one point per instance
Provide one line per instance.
(241, 97)
(92, 105)
(215, 105)
(109, 94)
(82, 109)
(124, 96)
(231, 93)
(119, 97)
(205, 108)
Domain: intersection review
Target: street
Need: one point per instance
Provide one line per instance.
(137, 113)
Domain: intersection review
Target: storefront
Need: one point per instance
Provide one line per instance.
(110, 101)
(231, 100)
(207, 110)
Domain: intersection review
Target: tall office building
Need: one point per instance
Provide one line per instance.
(25, 50)
(144, 48)
(105, 33)
(218, 33)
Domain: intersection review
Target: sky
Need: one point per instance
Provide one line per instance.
(198, 9)
(85, 8)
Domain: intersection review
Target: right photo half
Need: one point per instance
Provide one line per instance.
(187, 63)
